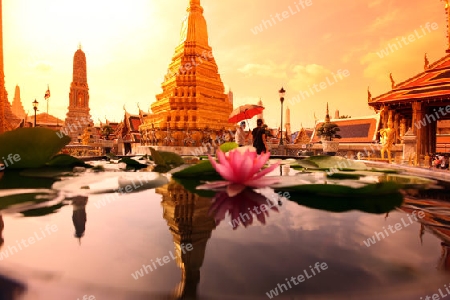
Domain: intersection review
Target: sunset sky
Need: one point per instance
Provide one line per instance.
(129, 46)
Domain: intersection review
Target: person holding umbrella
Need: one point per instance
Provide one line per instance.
(259, 138)
(240, 137)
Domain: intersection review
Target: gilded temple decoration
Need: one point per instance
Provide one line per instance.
(78, 117)
(193, 96)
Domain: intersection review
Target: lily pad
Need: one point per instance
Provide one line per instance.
(331, 163)
(366, 203)
(202, 170)
(47, 172)
(30, 147)
(343, 189)
(132, 163)
(165, 158)
(65, 160)
(13, 179)
(17, 197)
(228, 146)
(42, 211)
(408, 181)
(191, 184)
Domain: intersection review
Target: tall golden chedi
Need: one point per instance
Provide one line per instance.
(8, 121)
(78, 117)
(193, 96)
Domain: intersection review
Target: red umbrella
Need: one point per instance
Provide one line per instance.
(244, 112)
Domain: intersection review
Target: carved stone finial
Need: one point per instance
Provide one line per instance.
(392, 81)
(427, 63)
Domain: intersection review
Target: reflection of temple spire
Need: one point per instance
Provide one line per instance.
(2, 226)
(444, 261)
(422, 232)
(79, 216)
(189, 222)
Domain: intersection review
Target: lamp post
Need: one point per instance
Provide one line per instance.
(35, 106)
(281, 92)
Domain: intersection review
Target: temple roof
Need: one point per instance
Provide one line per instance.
(432, 84)
(44, 118)
(354, 130)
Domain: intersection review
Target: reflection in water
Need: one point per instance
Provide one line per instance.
(241, 207)
(435, 205)
(192, 218)
(2, 226)
(10, 289)
(79, 215)
(189, 222)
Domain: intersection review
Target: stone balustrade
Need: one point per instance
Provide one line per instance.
(349, 150)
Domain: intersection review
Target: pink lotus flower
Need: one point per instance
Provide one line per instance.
(241, 168)
(241, 207)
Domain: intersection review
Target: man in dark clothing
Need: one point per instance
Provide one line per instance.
(259, 137)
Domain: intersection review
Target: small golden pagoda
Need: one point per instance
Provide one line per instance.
(193, 96)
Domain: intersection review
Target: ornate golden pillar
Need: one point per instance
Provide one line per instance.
(433, 132)
(419, 131)
(397, 127)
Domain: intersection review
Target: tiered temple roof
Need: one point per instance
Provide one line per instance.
(128, 129)
(431, 84)
(419, 102)
(193, 95)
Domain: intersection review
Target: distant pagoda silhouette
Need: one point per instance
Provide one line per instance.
(78, 117)
(17, 107)
(193, 95)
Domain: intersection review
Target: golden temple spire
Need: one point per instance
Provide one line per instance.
(194, 29)
(327, 116)
(447, 12)
(192, 85)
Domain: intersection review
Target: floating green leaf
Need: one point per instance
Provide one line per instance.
(343, 190)
(331, 163)
(42, 211)
(191, 184)
(30, 147)
(228, 146)
(13, 179)
(171, 159)
(47, 172)
(375, 204)
(131, 163)
(65, 160)
(202, 170)
(24, 198)
(166, 161)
